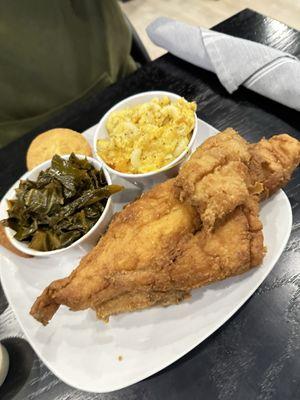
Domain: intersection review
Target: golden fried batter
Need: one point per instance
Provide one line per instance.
(273, 162)
(141, 240)
(196, 229)
(224, 171)
(216, 178)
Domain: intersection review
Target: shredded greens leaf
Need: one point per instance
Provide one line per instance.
(61, 206)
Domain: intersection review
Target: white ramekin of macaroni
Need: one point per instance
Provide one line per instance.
(146, 136)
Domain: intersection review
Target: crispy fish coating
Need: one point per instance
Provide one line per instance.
(216, 178)
(273, 161)
(140, 241)
(182, 234)
(224, 171)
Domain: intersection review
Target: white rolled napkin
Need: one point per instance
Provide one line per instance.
(267, 71)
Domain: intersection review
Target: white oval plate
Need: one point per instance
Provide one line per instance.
(84, 352)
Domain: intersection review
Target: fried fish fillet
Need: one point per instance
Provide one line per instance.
(129, 258)
(198, 228)
(197, 260)
(273, 161)
(224, 171)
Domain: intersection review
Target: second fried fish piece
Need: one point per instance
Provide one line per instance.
(224, 171)
(216, 178)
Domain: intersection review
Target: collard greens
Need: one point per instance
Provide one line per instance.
(61, 206)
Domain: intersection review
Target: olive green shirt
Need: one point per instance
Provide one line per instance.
(53, 52)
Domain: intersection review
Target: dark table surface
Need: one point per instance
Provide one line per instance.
(256, 354)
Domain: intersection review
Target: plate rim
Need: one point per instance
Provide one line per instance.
(221, 322)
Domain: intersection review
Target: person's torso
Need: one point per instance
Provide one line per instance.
(54, 52)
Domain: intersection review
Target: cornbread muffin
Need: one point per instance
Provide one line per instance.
(56, 141)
